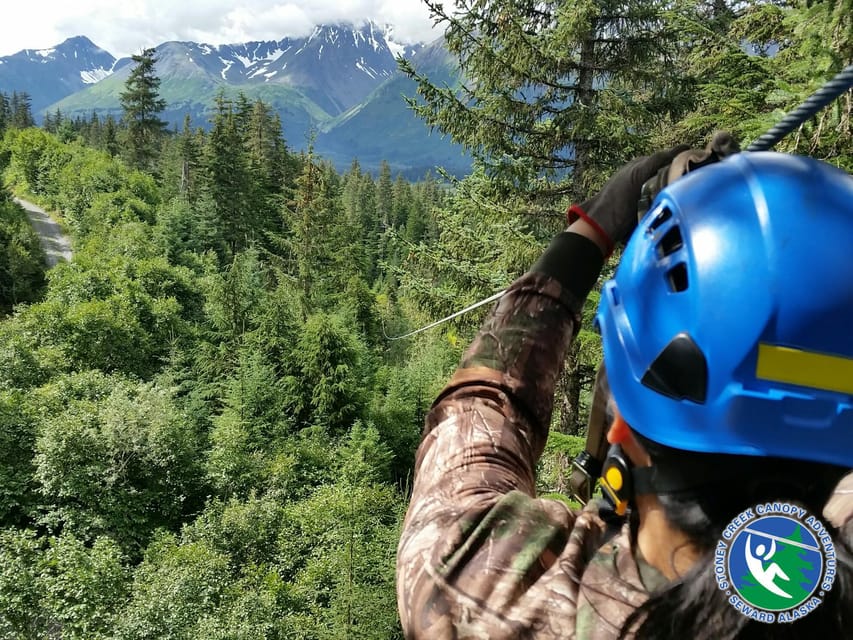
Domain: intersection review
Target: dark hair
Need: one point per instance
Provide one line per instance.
(693, 606)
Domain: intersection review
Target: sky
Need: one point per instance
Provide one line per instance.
(125, 27)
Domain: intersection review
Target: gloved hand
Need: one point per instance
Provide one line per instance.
(613, 210)
(722, 144)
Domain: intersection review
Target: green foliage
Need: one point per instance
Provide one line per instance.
(337, 554)
(115, 309)
(60, 584)
(21, 257)
(24, 364)
(83, 586)
(331, 377)
(18, 496)
(90, 188)
(22, 613)
(174, 589)
(403, 394)
(554, 467)
(364, 458)
(35, 160)
(114, 457)
(752, 62)
(15, 111)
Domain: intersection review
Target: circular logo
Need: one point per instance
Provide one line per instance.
(775, 562)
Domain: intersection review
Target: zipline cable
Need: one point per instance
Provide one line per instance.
(814, 103)
(831, 90)
(450, 317)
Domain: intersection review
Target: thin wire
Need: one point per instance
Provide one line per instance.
(831, 90)
(834, 88)
(450, 317)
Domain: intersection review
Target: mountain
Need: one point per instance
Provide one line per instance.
(339, 84)
(384, 128)
(48, 75)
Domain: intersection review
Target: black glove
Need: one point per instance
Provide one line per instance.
(613, 211)
(722, 144)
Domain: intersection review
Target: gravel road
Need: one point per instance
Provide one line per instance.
(56, 245)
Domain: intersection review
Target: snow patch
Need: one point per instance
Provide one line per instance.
(270, 74)
(373, 41)
(396, 48)
(44, 53)
(206, 49)
(247, 62)
(362, 67)
(94, 75)
(227, 64)
(273, 55)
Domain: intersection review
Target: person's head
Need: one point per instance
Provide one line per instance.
(729, 351)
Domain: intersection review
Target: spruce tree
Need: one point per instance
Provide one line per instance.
(227, 181)
(110, 142)
(21, 111)
(554, 94)
(142, 107)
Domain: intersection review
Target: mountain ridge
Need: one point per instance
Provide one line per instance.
(339, 86)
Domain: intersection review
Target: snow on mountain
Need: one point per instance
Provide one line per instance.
(48, 75)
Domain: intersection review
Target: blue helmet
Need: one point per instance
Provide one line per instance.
(728, 327)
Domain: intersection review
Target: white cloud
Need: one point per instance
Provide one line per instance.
(124, 28)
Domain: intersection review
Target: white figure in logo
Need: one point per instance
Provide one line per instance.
(755, 563)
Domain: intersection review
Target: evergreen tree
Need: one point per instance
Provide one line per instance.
(314, 215)
(48, 123)
(21, 111)
(266, 157)
(554, 88)
(142, 105)
(189, 152)
(228, 183)
(110, 141)
(817, 43)
(5, 112)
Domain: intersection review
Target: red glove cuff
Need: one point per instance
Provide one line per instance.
(575, 212)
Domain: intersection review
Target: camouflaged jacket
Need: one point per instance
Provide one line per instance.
(480, 556)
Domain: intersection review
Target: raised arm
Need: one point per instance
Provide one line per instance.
(480, 556)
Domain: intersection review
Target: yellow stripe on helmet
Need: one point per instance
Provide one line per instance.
(804, 368)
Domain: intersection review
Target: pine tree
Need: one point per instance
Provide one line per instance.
(554, 88)
(142, 105)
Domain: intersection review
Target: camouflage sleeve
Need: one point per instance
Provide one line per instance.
(479, 556)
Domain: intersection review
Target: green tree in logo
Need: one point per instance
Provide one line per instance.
(793, 560)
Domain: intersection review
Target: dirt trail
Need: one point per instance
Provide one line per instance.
(56, 245)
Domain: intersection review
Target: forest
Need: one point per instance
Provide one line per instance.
(207, 422)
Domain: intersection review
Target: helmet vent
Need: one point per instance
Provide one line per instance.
(676, 278)
(670, 243)
(664, 215)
